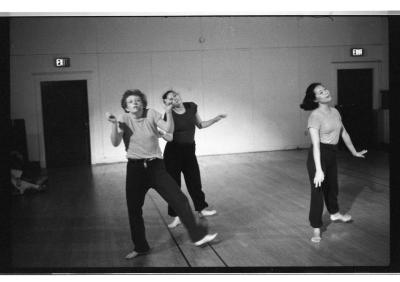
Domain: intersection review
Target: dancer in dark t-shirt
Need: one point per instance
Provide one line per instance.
(180, 154)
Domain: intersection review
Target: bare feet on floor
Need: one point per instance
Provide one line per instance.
(316, 238)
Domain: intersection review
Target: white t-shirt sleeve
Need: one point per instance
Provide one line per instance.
(314, 121)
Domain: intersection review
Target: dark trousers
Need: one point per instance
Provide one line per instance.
(328, 190)
(181, 158)
(140, 177)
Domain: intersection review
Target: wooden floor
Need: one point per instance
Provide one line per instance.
(262, 200)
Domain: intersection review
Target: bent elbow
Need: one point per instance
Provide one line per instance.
(115, 143)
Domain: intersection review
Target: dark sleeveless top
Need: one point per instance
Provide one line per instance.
(185, 124)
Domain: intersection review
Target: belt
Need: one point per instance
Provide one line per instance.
(181, 144)
(144, 161)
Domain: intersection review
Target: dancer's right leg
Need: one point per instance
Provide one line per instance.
(191, 172)
(173, 165)
(316, 201)
(331, 182)
(164, 184)
(136, 188)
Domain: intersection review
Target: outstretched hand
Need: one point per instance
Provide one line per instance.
(111, 118)
(360, 154)
(219, 117)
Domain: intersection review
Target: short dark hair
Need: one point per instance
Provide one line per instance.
(309, 103)
(164, 96)
(134, 92)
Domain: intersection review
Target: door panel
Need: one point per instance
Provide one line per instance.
(65, 123)
(355, 105)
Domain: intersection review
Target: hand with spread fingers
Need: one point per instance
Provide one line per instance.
(360, 154)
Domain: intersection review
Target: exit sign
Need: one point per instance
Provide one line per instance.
(62, 62)
(357, 52)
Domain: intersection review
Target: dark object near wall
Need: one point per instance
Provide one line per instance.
(385, 99)
(18, 138)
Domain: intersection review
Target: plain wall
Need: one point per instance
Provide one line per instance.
(255, 69)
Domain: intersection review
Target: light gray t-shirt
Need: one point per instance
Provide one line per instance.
(141, 135)
(329, 125)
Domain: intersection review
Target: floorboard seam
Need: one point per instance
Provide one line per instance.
(169, 231)
(216, 253)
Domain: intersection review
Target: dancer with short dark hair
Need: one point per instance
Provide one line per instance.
(325, 127)
(140, 128)
(180, 153)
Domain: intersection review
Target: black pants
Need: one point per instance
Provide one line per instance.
(181, 158)
(140, 177)
(328, 190)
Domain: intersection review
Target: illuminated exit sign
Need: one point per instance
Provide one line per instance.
(62, 62)
(357, 52)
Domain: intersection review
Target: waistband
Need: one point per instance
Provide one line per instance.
(142, 160)
(333, 147)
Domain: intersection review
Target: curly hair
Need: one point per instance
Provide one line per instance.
(134, 92)
(309, 103)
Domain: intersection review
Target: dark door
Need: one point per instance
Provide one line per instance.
(355, 105)
(65, 123)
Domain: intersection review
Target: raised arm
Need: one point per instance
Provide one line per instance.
(347, 141)
(319, 174)
(168, 124)
(203, 124)
(116, 134)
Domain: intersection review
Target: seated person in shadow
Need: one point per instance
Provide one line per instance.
(23, 178)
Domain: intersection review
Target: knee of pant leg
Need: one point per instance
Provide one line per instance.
(180, 200)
